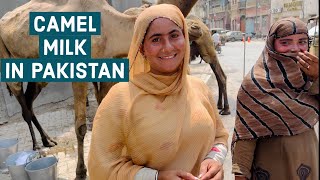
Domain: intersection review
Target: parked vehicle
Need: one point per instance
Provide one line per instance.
(314, 31)
(234, 36)
(314, 36)
(222, 33)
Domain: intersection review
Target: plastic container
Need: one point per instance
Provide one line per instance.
(7, 147)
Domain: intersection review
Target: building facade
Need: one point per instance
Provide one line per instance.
(302, 9)
(250, 16)
(254, 16)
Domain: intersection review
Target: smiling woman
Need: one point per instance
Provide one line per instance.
(162, 124)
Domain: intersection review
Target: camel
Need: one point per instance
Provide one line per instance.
(15, 42)
(201, 44)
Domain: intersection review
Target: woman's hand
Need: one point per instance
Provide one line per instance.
(309, 64)
(175, 175)
(211, 169)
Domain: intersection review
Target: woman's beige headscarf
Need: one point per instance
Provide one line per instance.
(273, 99)
(139, 65)
(155, 121)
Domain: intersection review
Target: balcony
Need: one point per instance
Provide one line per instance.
(251, 3)
(217, 10)
(242, 5)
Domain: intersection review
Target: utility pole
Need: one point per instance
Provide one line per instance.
(255, 19)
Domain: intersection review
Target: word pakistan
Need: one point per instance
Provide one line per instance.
(65, 52)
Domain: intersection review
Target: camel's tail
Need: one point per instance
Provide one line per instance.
(10, 92)
(95, 85)
(4, 53)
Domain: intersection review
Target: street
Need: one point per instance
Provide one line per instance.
(58, 118)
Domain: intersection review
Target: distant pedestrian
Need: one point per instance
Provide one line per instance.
(216, 38)
(277, 108)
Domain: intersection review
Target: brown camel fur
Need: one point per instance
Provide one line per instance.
(15, 42)
(204, 47)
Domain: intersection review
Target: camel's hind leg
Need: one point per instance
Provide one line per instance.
(222, 83)
(104, 89)
(33, 90)
(25, 101)
(80, 98)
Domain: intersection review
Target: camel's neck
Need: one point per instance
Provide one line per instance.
(184, 5)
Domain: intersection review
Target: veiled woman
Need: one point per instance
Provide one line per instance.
(277, 108)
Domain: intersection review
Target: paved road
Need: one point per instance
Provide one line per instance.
(58, 118)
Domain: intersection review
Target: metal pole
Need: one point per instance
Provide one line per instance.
(255, 19)
(244, 55)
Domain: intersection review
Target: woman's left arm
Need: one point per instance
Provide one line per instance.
(212, 166)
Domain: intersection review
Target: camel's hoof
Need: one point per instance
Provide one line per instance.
(48, 143)
(53, 141)
(81, 176)
(224, 112)
(219, 106)
(36, 147)
(81, 172)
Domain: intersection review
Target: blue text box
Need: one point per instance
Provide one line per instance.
(51, 47)
(44, 70)
(64, 23)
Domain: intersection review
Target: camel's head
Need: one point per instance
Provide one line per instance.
(194, 30)
(135, 11)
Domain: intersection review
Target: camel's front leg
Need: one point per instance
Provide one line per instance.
(222, 83)
(80, 98)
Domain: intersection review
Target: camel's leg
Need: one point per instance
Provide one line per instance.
(32, 92)
(104, 89)
(222, 83)
(80, 94)
(17, 90)
(96, 91)
(87, 103)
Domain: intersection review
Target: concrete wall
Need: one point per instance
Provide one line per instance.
(9, 5)
(122, 5)
(306, 10)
